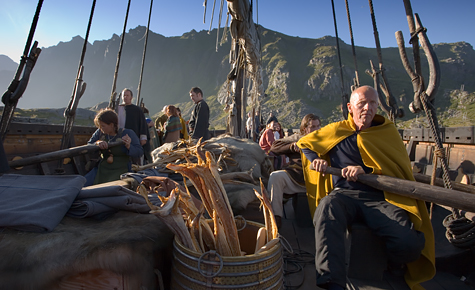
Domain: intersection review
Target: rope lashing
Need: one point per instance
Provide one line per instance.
(414, 35)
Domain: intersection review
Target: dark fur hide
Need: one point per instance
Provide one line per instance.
(127, 244)
(246, 154)
(240, 195)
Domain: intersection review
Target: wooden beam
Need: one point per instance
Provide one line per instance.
(448, 197)
(55, 155)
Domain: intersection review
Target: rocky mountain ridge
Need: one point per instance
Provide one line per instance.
(301, 75)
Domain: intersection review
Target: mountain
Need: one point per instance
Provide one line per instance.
(7, 71)
(301, 75)
(7, 64)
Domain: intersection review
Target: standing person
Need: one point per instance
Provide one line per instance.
(365, 143)
(290, 179)
(172, 126)
(132, 117)
(153, 141)
(184, 130)
(271, 118)
(116, 160)
(199, 121)
(257, 124)
(159, 122)
(249, 125)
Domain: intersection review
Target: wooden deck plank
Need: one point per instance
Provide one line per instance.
(448, 281)
(301, 239)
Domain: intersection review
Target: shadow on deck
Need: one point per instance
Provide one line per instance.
(454, 265)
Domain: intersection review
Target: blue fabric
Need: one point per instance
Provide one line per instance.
(100, 202)
(36, 203)
(90, 176)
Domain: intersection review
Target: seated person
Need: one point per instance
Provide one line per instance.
(278, 132)
(268, 137)
(290, 179)
(365, 143)
(115, 160)
(266, 140)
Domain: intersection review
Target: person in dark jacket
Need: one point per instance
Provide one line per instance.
(271, 118)
(290, 179)
(132, 117)
(199, 121)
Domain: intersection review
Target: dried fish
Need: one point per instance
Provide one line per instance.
(208, 183)
(269, 218)
(171, 216)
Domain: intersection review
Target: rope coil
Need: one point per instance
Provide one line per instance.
(460, 231)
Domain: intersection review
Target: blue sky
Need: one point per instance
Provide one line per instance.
(60, 20)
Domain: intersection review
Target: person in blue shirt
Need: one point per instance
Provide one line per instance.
(115, 160)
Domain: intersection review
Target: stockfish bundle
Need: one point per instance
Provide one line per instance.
(235, 157)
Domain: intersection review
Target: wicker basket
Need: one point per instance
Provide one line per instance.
(196, 271)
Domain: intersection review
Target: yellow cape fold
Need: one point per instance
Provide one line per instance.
(382, 150)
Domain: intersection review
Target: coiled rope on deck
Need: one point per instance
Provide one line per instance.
(460, 231)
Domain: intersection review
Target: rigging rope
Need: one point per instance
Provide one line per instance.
(212, 15)
(78, 91)
(219, 23)
(224, 38)
(357, 80)
(204, 14)
(459, 230)
(390, 100)
(345, 100)
(139, 88)
(113, 102)
(17, 87)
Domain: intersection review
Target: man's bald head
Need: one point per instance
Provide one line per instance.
(363, 106)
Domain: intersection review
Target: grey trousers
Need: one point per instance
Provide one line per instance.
(339, 210)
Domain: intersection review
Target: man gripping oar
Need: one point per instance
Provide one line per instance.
(364, 143)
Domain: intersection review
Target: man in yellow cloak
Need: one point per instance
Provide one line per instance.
(365, 143)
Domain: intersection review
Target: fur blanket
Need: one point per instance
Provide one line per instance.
(128, 244)
(231, 153)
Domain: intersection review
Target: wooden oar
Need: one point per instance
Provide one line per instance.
(55, 155)
(440, 182)
(448, 197)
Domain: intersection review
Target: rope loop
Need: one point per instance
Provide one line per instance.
(415, 33)
(440, 153)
